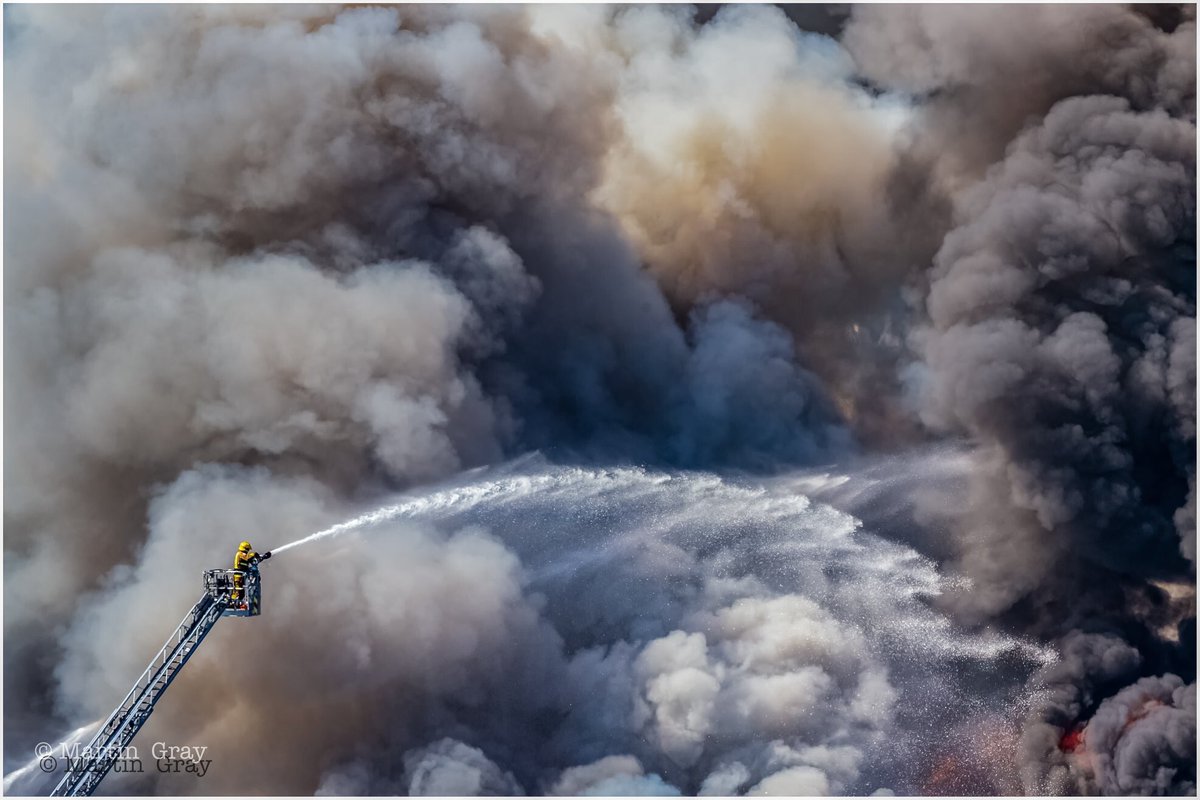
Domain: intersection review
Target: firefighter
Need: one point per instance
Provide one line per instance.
(245, 559)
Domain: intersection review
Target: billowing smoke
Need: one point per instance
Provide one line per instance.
(1060, 334)
(778, 659)
(267, 266)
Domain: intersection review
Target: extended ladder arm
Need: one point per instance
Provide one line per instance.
(118, 730)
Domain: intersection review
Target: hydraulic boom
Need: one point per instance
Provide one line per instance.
(220, 588)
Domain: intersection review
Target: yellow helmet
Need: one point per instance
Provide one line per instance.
(244, 546)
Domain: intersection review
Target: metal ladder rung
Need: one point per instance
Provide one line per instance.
(124, 723)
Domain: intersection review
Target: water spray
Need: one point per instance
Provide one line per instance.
(460, 499)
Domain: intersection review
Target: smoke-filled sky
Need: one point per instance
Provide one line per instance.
(773, 402)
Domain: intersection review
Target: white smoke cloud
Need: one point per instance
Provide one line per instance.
(377, 672)
(611, 775)
(448, 767)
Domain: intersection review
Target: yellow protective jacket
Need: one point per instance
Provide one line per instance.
(244, 560)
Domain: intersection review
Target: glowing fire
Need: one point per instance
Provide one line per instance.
(980, 759)
(1073, 739)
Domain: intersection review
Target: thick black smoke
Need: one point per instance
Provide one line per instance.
(1061, 335)
(266, 265)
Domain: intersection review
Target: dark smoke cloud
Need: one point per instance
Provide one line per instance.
(274, 264)
(1061, 336)
(1056, 313)
(1092, 666)
(984, 73)
(1145, 738)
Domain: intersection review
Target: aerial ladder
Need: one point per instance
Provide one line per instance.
(227, 593)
